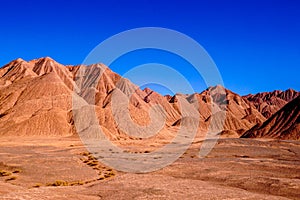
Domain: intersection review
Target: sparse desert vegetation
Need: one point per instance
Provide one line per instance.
(58, 183)
(37, 185)
(233, 170)
(11, 178)
(16, 171)
(103, 172)
(9, 174)
(5, 173)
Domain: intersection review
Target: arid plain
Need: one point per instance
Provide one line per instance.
(51, 168)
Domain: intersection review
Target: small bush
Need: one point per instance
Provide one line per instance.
(4, 173)
(11, 178)
(76, 183)
(90, 157)
(37, 185)
(58, 183)
(85, 153)
(111, 173)
(106, 175)
(92, 163)
(17, 171)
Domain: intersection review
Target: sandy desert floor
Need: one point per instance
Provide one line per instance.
(51, 168)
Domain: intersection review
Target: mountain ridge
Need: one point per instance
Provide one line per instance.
(269, 103)
(43, 88)
(284, 124)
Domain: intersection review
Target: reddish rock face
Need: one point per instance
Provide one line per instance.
(284, 124)
(36, 99)
(269, 103)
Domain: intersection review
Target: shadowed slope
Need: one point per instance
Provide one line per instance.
(284, 124)
(270, 102)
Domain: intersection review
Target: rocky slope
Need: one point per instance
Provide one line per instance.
(270, 102)
(284, 124)
(37, 98)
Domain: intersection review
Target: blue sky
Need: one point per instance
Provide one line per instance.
(255, 44)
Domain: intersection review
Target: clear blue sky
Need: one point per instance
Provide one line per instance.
(254, 43)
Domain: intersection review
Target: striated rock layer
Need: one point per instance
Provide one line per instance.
(284, 124)
(269, 103)
(41, 97)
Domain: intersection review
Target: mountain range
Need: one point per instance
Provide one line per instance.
(37, 99)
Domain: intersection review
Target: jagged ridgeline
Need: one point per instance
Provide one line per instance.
(36, 99)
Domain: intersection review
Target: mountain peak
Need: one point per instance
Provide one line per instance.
(19, 60)
(47, 58)
(43, 60)
(46, 65)
(216, 87)
(15, 62)
(147, 90)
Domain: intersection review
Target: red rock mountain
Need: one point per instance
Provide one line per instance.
(37, 98)
(270, 102)
(284, 124)
(240, 113)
